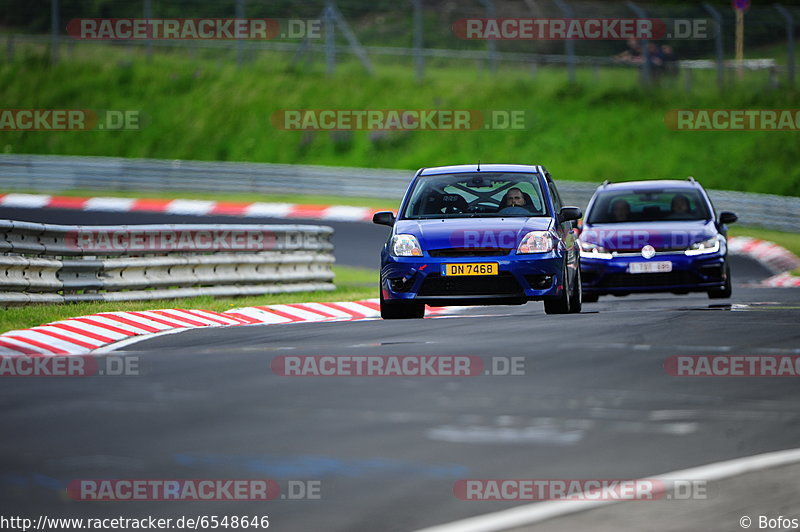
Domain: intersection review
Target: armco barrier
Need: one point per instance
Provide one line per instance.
(61, 173)
(57, 263)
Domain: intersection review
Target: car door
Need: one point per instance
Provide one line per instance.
(564, 229)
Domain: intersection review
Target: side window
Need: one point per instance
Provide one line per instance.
(713, 209)
(554, 194)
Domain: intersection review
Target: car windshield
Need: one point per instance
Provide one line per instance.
(651, 205)
(476, 195)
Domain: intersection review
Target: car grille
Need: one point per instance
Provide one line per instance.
(647, 279)
(480, 285)
(469, 252)
(638, 251)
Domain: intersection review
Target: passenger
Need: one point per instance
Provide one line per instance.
(620, 211)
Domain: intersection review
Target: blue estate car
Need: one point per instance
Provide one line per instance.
(480, 235)
(654, 236)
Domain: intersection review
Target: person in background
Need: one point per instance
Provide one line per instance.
(633, 55)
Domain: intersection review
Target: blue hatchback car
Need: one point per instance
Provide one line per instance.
(480, 235)
(654, 236)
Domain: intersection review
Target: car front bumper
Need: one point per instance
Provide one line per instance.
(521, 278)
(698, 273)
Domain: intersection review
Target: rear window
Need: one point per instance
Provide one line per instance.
(648, 206)
(476, 195)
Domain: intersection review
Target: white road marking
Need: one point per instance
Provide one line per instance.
(529, 514)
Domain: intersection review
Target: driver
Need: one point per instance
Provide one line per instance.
(514, 202)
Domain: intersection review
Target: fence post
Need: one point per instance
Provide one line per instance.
(647, 67)
(718, 43)
(148, 14)
(239, 43)
(10, 47)
(569, 44)
(491, 45)
(55, 29)
(351, 38)
(790, 42)
(330, 38)
(419, 59)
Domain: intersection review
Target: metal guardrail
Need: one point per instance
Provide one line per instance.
(396, 51)
(56, 263)
(56, 173)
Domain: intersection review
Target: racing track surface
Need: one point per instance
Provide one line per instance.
(595, 402)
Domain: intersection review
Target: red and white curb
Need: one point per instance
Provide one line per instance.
(82, 335)
(339, 213)
(782, 280)
(775, 258)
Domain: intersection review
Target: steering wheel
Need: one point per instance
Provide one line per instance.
(481, 208)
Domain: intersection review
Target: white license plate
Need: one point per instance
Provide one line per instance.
(650, 267)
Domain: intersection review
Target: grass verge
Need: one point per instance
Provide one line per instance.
(790, 241)
(351, 284)
(605, 126)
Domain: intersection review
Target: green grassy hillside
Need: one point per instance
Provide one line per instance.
(605, 127)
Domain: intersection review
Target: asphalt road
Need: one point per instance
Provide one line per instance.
(354, 243)
(594, 402)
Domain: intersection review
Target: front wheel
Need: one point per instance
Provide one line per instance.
(560, 304)
(402, 310)
(576, 300)
(724, 292)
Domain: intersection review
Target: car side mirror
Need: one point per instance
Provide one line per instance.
(383, 218)
(726, 218)
(569, 214)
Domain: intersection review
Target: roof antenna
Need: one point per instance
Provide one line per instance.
(479, 165)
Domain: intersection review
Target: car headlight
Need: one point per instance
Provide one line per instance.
(405, 246)
(536, 242)
(711, 245)
(590, 250)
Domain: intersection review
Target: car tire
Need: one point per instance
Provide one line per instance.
(726, 291)
(559, 304)
(576, 299)
(402, 310)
